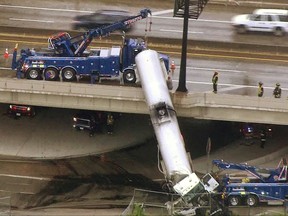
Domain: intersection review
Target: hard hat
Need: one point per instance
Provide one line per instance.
(277, 84)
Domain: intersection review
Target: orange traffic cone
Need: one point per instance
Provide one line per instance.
(6, 54)
(172, 67)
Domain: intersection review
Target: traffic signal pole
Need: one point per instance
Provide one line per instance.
(182, 74)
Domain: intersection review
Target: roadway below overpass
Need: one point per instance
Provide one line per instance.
(230, 104)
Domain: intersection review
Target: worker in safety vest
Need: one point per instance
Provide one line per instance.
(260, 89)
(215, 82)
(277, 91)
(110, 123)
(263, 138)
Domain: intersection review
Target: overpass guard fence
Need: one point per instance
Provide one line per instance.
(130, 99)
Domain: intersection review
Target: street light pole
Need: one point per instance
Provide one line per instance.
(182, 74)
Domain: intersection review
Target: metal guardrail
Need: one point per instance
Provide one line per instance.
(147, 203)
(253, 3)
(227, 106)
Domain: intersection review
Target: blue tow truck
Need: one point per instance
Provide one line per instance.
(68, 57)
(267, 185)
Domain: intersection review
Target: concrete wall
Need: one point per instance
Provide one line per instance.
(228, 107)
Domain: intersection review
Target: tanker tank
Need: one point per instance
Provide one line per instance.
(163, 115)
(194, 192)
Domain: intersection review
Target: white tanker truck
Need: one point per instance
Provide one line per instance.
(194, 192)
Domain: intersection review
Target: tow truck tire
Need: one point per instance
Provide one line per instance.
(51, 74)
(234, 200)
(129, 76)
(252, 200)
(68, 74)
(33, 73)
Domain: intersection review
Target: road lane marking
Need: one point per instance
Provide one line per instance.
(198, 20)
(31, 20)
(180, 31)
(26, 177)
(229, 85)
(162, 12)
(4, 68)
(216, 69)
(41, 8)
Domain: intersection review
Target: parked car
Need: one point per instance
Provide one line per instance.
(100, 18)
(91, 121)
(262, 20)
(21, 110)
(253, 130)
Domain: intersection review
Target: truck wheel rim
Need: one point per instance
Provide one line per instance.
(68, 74)
(33, 74)
(50, 74)
(234, 201)
(129, 77)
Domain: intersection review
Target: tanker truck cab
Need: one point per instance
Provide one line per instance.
(131, 48)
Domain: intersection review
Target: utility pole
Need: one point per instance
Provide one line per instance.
(186, 9)
(182, 74)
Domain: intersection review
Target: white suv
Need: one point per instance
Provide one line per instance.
(263, 20)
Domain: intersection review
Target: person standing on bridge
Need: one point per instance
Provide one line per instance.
(110, 123)
(263, 138)
(215, 81)
(260, 89)
(277, 91)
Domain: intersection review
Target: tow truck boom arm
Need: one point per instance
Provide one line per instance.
(273, 175)
(66, 46)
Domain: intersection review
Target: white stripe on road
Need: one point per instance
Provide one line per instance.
(162, 12)
(198, 20)
(32, 20)
(180, 31)
(217, 69)
(26, 177)
(4, 68)
(46, 9)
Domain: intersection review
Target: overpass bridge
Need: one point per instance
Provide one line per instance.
(230, 105)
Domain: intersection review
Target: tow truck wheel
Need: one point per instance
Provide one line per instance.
(51, 74)
(129, 76)
(69, 74)
(252, 200)
(234, 200)
(33, 73)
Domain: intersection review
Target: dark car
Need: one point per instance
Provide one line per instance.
(100, 18)
(21, 110)
(91, 121)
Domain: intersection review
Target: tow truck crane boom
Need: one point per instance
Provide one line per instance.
(66, 46)
(272, 175)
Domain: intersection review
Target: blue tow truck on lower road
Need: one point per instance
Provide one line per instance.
(260, 185)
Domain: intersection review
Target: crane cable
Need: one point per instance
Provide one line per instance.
(148, 28)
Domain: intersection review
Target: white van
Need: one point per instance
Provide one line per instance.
(263, 20)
